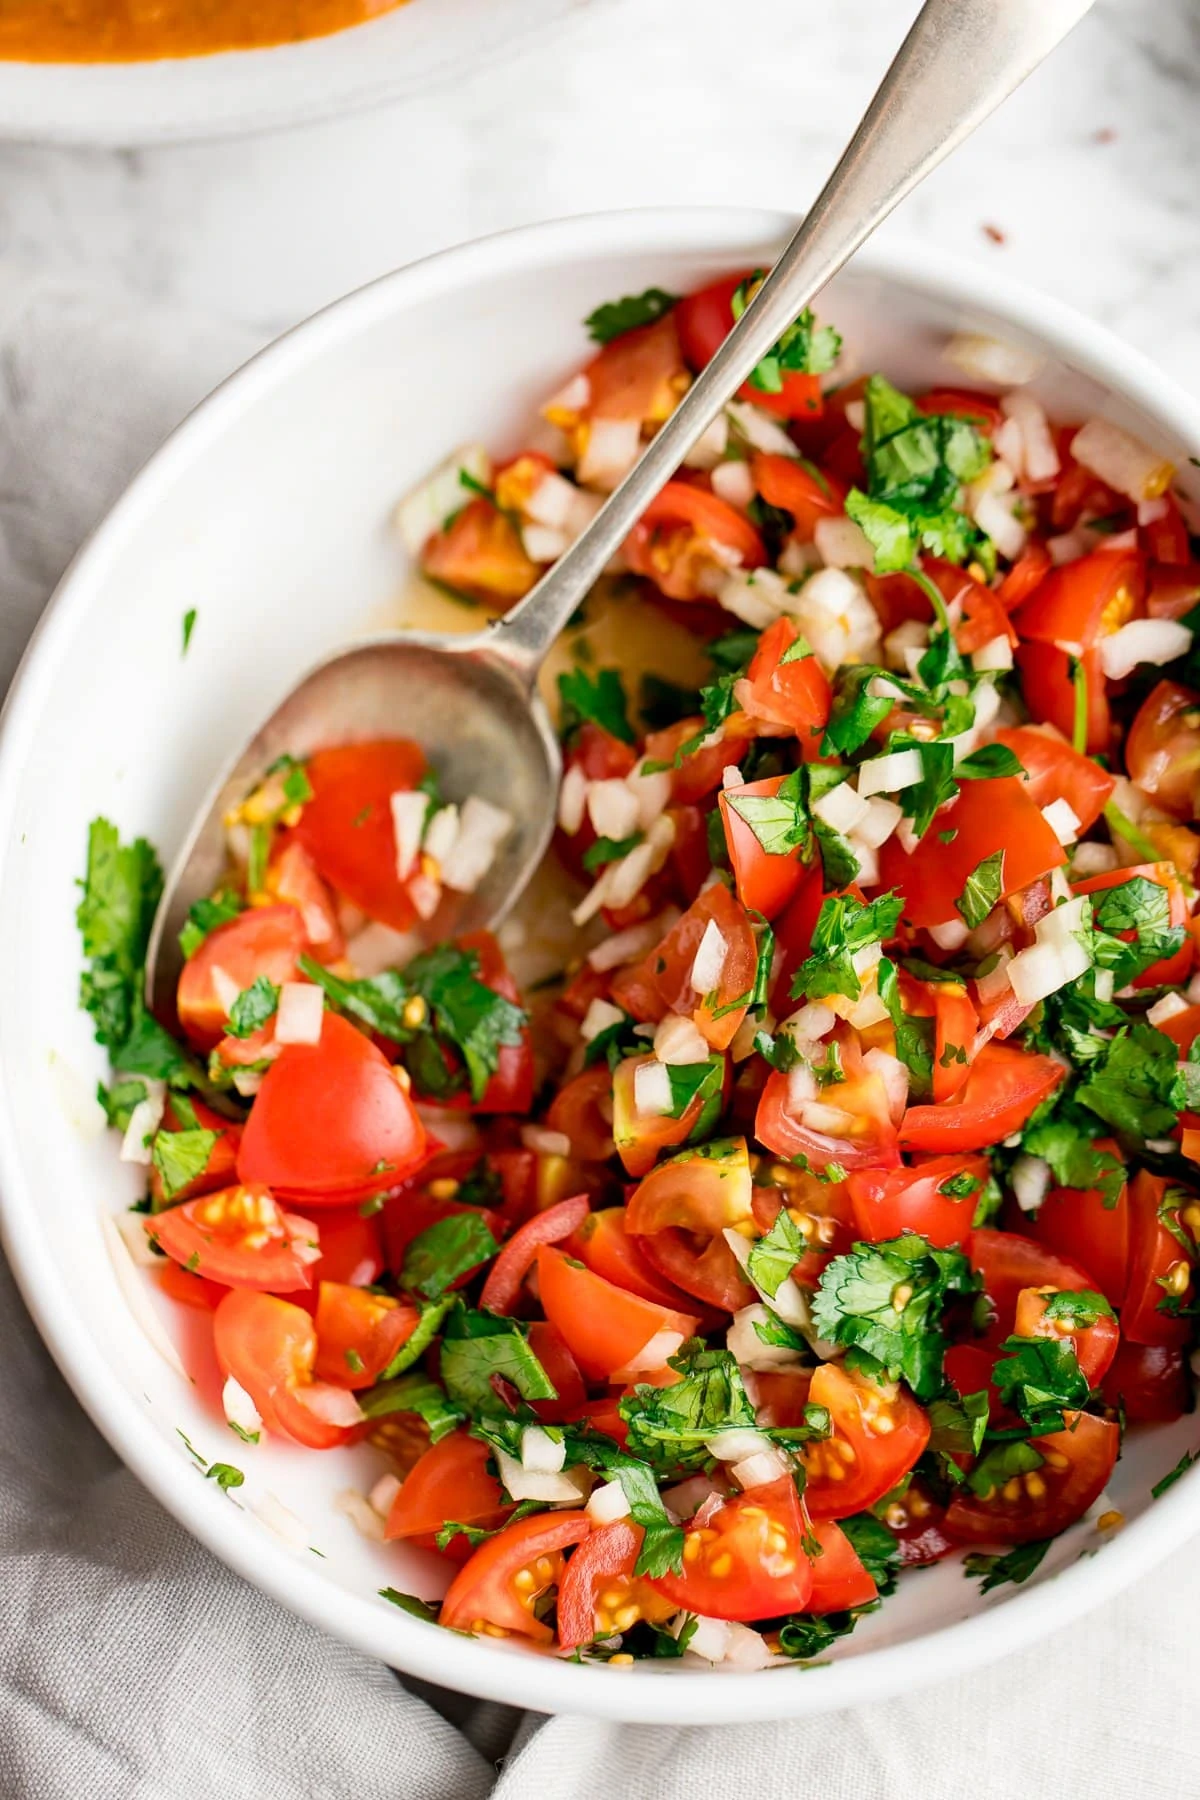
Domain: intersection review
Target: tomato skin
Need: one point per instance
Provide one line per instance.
(1075, 1223)
(412, 1207)
(1003, 1088)
(795, 694)
(1056, 772)
(1090, 1448)
(1165, 539)
(890, 1202)
(550, 1347)
(638, 375)
(705, 320)
(672, 542)
(605, 1244)
(220, 1169)
(269, 1347)
(785, 483)
(293, 879)
(604, 1555)
(661, 982)
(956, 1028)
(1027, 573)
(1010, 1263)
(765, 882)
(1049, 692)
(638, 1137)
(839, 1579)
(604, 1326)
(507, 1274)
(188, 1290)
(265, 940)
(484, 1589)
(351, 1249)
(1153, 1251)
(1150, 1381)
(576, 1111)
(1163, 748)
(510, 1089)
(358, 1333)
(347, 828)
(217, 1236)
(1095, 1345)
(1078, 600)
(987, 816)
(677, 1216)
(860, 1463)
(326, 1117)
(449, 1481)
(760, 1536)
(871, 1138)
(700, 772)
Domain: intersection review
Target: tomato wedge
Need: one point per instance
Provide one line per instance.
(220, 1168)
(1082, 600)
(879, 1431)
(269, 1347)
(604, 1243)
(507, 1274)
(866, 1136)
(1076, 1224)
(705, 320)
(747, 1560)
(1095, 1345)
(1161, 1270)
(1009, 1263)
(497, 1589)
(331, 1122)
(839, 1579)
(662, 981)
(1048, 688)
(347, 825)
(784, 688)
(1075, 1466)
(929, 1199)
(956, 1026)
(267, 940)
(1056, 772)
(986, 817)
(639, 1136)
(678, 539)
(450, 1481)
(358, 1333)
(765, 880)
(479, 553)
(1150, 1381)
(604, 1326)
(240, 1237)
(599, 1594)
(797, 488)
(679, 1213)
(1003, 1087)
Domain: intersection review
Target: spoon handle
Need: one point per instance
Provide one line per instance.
(958, 62)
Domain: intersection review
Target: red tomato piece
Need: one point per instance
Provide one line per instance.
(700, 772)
(240, 1237)
(449, 1481)
(507, 1274)
(797, 488)
(1080, 601)
(347, 828)
(604, 1326)
(705, 320)
(351, 1248)
(1076, 1224)
(662, 981)
(510, 1089)
(747, 1561)
(865, 1139)
(956, 1027)
(189, 1290)
(1056, 772)
(890, 1202)
(1165, 539)
(292, 878)
(266, 940)
(1161, 1271)
(570, 1392)
(765, 881)
(673, 542)
(220, 1169)
(599, 1594)
(331, 1121)
(638, 375)
(987, 816)
(604, 1243)
(1162, 752)
(788, 690)
(679, 1213)
(480, 553)
(1076, 1465)
(1027, 573)
(1150, 1381)
(269, 1347)
(358, 1333)
(1095, 1345)
(1049, 690)
(640, 1136)
(983, 410)
(1010, 1263)
(1003, 1087)
(878, 1434)
(500, 1584)
(582, 1111)
(839, 1578)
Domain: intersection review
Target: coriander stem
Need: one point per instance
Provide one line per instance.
(1124, 827)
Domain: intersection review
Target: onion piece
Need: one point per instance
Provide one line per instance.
(239, 1408)
(625, 946)
(738, 1442)
(601, 1015)
(542, 544)
(994, 515)
(482, 829)
(424, 512)
(612, 808)
(224, 987)
(843, 544)
(709, 963)
(1142, 641)
(612, 448)
(383, 1494)
(144, 1121)
(652, 1096)
(843, 808)
(760, 430)
(993, 361)
(1166, 1008)
(335, 1405)
(759, 1470)
(524, 1484)
(653, 1353)
(1061, 819)
(744, 1344)
(710, 446)
(996, 654)
(732, 482)
(441, 834)
(362, 1515)
(830, 1121)
(607, 1503)
(881, 819)
(1030, 1180)
(756, 597)
(678, 1043)
(135, 1230)
(541, 1452)
(1039, 452)
(889, 774)
(544, 1142)
(409, 808)
(300, 1013)
(1121, 460)
(572, 799)
(1043, 969)
(651, 790)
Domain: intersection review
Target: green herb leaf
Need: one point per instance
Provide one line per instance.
(983, 889)
(1038, 1378)
(181, 1157)
(1014, 1565)
(415, 1393)
(774, 1255)
(451, 1247)
(669, 1426)
(409, 1603)
(204, 916)
(225, 1475)
(189, 625)
(121, 890)
(252, 1008)
(804, 348)
(615, 317)
(1172, 1476)
(844, 926)
(887, 1299)
(598, 700)
(480, 1350)
(1082, 1306)
(608, 850)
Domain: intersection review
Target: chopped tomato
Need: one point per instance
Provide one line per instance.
(331, 1122)
(220, 1168)
(1056, 772)
(1003, 1087)
(269, 1347)
(1174, 589)
(582, 1111)
(705, 320)
(293, 879)
(498, 1588)
(956, 1027)
(358, 1333)
(678, 1215)
(1161, 1270)
(1165, 539)
(986, 817)
(853, 1125)
(929, 1199)
(747, 1560)
(604, 1242)
(351, 1249)
(191, 1290)
(347, 827)
(1048, 687)
(798, 488)
(638, 375)
(765, 880)
(879, 1431)
(240, 1237)
(839, 1579)
(784, 688)
(1163, 749)
(662, 981)
(1027, 573)
(1075, 1223)
(507, 1274)
(450, 1481)
(266, 940)
(982, 410)
(605, 1327)
(679, 539)
(700, 771)
(479, 552)
(600, 1595)
(1075, 1466)
(1010, 1263)
(640, 1136)
(1151, 1382)
(1095, 1345)
(1081, 601)
(570, 1392)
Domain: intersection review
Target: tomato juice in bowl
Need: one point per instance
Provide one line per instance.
(590, 262)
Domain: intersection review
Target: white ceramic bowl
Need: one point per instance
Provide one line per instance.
(268, 511)
(403, 53)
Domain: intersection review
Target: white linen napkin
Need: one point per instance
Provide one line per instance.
(134, 1666)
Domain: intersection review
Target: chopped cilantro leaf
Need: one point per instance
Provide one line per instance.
(1015, 1565)
(844, 926)
(409, 1603)
(121, 890)
(1082, 1306)
(204, 916)
(252, 1008)
(181, 1157)
(451, 1247)
(887, 1299)
(804, 348)
(983, 888)
(225, 1475)
(1172, 1476)
(417, 1393)
(189, 625)
(480, 1354)
(1038, 1377)
(669, 1426)
(598, 700)
(774, 1255)
(608, 850)
(614, 318)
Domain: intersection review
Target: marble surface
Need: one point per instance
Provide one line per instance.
(1083, 184)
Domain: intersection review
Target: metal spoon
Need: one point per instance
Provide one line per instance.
(471, 701)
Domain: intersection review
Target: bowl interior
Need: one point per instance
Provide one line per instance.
(269, 514)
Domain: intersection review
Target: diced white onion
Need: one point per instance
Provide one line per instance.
(894, 1076)
(1039, 459)
(909, 640)
(601, 1015)
(135, 1231)
(866, 1011)
(856, 414)
(551, 501)
(759, 1470)
(685, 1498)
(732, 483)
(571, 398)
(625, 946)
(361, 1514)
(425, 894)
(802, 1087)
(652, 792)
(710, 446)
(995, 983)
(796, 560)
(745, 1648)
(652, 1095)
(442, 833)
(482, 829)
(408, 822)
(1094, 859)
(881, 820)
(1104, 981)
(677, 1042)
(843, 544)
(1069, 546)
(710, 1638)
(541, 1452)
(837, 618)
(813, 1022)
(756, 597)
(951, 935)
(889, 774)
(300, 1013)
(994, 515)
(542, 543)
(1166, 1008)
(524, 1484)
(572, 799)
(745, 1345)
(830, 1121)
(544, 1142)
(711, 954)
(1030, 1180)
(239, 1408)
(224, 987)
(1043, 969)
(1121, 460)
(144, 1121)
(607, 1503)
(731, 777)
(335, 1405)
(996, 654)
(759, 429)
(1142, 641)
(992, 360)
(612, 808)
(382, 1496)
(1061, 819)
(611, 450)
(731, 1446)
(622, 881)
(1060, 925)
(842, 808)
(423, 512)
(654, 1353)
(377, 947)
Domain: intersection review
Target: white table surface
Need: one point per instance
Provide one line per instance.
(1089, 173)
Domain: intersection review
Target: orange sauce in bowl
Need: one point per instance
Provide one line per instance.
(88, 31)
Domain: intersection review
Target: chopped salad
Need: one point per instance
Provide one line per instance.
(833, 1206)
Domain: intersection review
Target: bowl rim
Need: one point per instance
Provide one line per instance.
(479, 1667)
